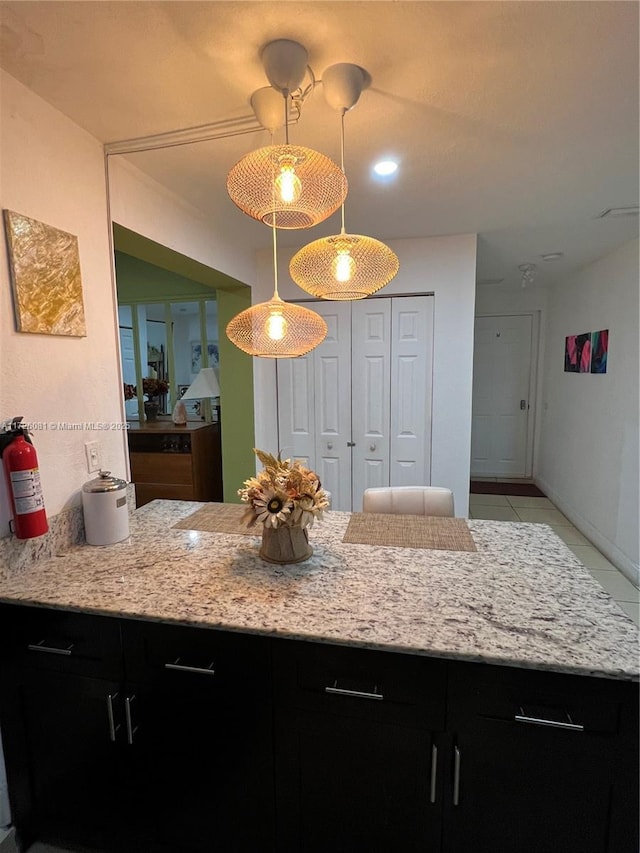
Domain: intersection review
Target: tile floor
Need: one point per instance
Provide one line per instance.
(542, 511)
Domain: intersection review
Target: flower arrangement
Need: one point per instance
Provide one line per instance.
(284, 494)
(151, 387)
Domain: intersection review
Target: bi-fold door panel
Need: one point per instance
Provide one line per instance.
(411, 391)
(371, 395)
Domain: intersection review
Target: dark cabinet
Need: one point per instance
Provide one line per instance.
(123, 735)
(170, 751)
(541, 762)
(356, 760)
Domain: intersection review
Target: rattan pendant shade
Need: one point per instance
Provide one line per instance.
(309, 186)
(277, 329)
(346, 266)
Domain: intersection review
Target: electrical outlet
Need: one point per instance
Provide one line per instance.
(92, 452)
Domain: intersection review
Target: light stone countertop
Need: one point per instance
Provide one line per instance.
(523, 599)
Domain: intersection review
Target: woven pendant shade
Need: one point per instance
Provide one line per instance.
(277, 329)
(309, 186)
(345, 266)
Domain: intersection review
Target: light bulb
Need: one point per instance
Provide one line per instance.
(343, 265)
(276, 326)
(288, 183)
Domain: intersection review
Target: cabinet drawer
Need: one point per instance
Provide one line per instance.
(357, 682)
(60, 641)
(161, 468)
(540, 699)
(146, 492)
(178, 655)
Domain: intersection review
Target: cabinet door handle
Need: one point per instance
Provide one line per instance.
(434, 772)
(456, 776)
(202, 670)
(554, 724)
(358, 694)
(131, 729)
(112, 725)
(50, 650)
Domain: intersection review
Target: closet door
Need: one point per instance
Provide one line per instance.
(314, 405)
(411, 390)
(371, 395)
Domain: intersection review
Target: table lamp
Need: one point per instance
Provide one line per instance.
(203, 387)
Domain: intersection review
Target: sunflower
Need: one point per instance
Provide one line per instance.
(272, 508)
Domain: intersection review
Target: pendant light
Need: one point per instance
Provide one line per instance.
(276, 329)
(309, 186)
(344, 266)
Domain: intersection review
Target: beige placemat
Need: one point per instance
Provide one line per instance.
(219, 518)
(409, 531)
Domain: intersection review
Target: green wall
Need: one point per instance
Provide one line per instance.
(149, 272)
(236, 399)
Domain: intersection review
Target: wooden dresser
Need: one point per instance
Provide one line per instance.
(175, 462)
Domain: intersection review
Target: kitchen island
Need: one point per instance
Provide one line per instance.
(416, 698)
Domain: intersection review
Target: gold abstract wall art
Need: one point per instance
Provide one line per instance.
(45, 277)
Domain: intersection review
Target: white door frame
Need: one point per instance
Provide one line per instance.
(536, 325)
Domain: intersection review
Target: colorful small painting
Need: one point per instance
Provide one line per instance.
(577, 353)
(45, 277)
(196, 356)
(599, 350)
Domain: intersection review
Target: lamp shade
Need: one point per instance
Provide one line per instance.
(277, 329)
(287, 186)
(204, 385)
(345, 266)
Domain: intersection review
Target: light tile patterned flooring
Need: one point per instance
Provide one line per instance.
(543, 511)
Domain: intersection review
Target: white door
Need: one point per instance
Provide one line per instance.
(411, 390)
(371, 395)
(501, 413)
(357, 409)
(127, 354)
(314, 405)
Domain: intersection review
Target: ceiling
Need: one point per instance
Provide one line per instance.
(515, 120)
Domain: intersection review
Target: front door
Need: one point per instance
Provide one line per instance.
(502, 415)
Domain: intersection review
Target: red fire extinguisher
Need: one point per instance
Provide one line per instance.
(22, 475)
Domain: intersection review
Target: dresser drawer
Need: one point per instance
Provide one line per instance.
(358, 682)
(174, 468)
(57, 640)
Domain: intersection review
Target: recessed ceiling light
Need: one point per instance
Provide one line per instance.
(619, 211)
(384, 168)
(552, 256)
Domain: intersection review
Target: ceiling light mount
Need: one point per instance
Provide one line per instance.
(528, 272)
(285, 64)
(343, 83)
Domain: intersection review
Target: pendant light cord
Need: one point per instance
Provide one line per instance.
(342, 231)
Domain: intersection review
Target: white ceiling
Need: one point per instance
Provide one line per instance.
(516, 120)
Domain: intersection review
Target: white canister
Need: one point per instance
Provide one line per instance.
(106, 515)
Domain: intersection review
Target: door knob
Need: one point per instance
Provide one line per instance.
(329, 445)
(372, 447)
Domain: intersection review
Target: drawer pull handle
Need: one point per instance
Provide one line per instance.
(50, 650)
(131, 729)
(434, 772)
(112, 725)
(202, 670)
(456, 776)
(554, 724)
(358, 694)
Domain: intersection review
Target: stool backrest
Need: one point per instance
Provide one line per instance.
(410, 500)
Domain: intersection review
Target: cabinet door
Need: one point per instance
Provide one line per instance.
(356, 758)
(199, 757)
(61, 747)
(539, 765)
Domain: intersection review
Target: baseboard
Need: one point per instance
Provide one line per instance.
(611, 551)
